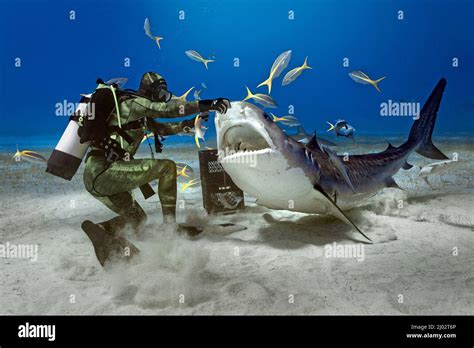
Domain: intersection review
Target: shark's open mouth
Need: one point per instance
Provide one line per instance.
(243, 138)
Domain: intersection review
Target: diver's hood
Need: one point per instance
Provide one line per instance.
(149, 78)
(154, 86)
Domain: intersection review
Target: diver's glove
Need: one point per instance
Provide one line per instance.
(219, 104)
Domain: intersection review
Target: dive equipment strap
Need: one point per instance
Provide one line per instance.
(158, 143)
(117, 109)
(122, 134)
(129, 126)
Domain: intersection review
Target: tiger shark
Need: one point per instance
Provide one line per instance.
(282, 173)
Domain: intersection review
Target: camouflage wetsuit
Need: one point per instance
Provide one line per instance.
(112, 182)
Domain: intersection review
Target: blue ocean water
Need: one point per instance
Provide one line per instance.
(62, 53)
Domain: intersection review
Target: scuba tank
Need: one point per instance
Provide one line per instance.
(83, 128)
(69, 152)
(83, 131)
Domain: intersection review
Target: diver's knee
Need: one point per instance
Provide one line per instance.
(163, 167)
(170, 165)
(167, 166)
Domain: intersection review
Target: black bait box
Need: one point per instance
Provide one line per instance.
(219, 193)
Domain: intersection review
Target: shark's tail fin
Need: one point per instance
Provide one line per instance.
(422, 129)
(268, 83)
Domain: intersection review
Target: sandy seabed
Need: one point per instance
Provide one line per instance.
(421, 262)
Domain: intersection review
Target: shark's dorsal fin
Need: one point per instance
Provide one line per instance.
(313, 144)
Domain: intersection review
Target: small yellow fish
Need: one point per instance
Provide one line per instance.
(157, 40)
(278, 66)
(262, 99)
(183, 98)
(278, 119)
(192, 54)
(290, 121)
(362, 78)
(147, 28)
(294, 73)
(29, 156)
(182, 172)
(190, 183)
(199, 130)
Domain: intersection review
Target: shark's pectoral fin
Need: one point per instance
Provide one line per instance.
(337, 212)
(390, 182)
(339, 165)
(342, 170)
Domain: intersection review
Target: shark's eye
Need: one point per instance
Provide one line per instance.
(266, 116)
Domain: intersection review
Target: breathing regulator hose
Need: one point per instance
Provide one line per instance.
(118, 113)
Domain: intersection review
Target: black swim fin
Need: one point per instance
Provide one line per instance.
(108, 247)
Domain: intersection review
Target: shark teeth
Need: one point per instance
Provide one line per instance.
(236, 154)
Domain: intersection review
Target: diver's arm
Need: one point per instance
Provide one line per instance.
(169, 128)
(171, 109)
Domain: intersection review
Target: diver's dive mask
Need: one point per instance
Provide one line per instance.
(159, 91)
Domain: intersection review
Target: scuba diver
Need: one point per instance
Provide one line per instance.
(111, 173)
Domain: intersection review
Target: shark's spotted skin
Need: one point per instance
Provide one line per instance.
(362, 168)
(285, 174)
